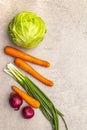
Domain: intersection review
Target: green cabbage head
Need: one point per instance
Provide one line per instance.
(27, 29)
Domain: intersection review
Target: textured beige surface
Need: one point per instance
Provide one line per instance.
(65, 46)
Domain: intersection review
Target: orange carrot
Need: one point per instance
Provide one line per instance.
(30, 100)
(26, 67)
(20, 54)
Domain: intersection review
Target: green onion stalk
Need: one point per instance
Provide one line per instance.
(48, 109)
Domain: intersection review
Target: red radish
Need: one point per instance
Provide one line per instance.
(15, 101)
(28, 112)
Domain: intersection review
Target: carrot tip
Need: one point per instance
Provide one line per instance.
(48, 65)
(52, 84)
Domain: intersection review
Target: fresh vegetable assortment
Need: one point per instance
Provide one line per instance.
(46, 106)
(27, 30)
(19, 55)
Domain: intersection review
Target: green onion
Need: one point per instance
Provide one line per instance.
(47, 107)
